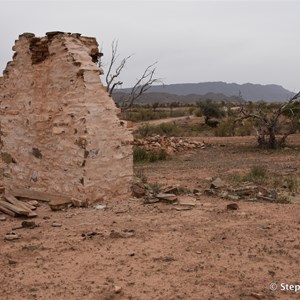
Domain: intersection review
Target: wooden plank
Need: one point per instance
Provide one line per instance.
(11, 199)
(7, 211)
(41, 196)
(14, 208)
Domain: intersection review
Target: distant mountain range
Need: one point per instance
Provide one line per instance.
(191, 92)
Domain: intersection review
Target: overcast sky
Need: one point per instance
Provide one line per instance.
(193, 41)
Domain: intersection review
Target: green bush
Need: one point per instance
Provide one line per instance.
(152, 157)
(147, 114)
(155, 187)
(142, 155)
(256, 174)
(244, 129)
(169, 129)
(164, 129)
(162, 154)
(292, 184)
(141, 175)
(225, 129)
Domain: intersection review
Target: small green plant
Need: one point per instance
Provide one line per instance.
(139, 155)
(152, 156)
(292, 184)
(164, 129)
(237, 178)
(183, 190)
(257, 173)
(141, 175)
(162, 154)
(225, 129)
(142, 155)
(244, 129)
(155, 187)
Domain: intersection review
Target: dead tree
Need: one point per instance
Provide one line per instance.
(111, 77)
(144, 82)
(268, 122)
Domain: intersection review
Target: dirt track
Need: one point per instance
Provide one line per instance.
(155, 252)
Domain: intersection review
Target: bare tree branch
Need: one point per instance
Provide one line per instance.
(142, 84)
(111, 77)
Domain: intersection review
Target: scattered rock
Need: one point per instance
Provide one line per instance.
(118, 289)
(29, 224)
(257, 295)
(54, 224)
(167, 198)
(209, 192)
(233, 197)
(100, 206)
(232, 206)
(77, 202)
(122, 234)
(33, 203)
(90, 235)
(183, 208)
(60, 204)
(209, 179)
(269, 199)
(138, 190)
(2, 218)
(187, 201)
(247, 190)
(217, 184)
(171, 190)
(266, 227)
(167, 258)
(285, 185)
(11, 236)
(150, 200)
(12, 262)
(224, 194)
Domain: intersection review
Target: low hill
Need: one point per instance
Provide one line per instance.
(150, 98)
(184, 92)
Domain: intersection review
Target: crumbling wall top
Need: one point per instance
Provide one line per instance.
(39, 49)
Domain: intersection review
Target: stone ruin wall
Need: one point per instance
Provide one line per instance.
(59, 128)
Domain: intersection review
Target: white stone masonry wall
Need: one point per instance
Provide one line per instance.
(59, 128)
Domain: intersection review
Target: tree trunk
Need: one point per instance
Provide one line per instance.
(272, 143)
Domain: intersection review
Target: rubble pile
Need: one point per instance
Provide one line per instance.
(249, 192)
(215, 187)
(170, 145)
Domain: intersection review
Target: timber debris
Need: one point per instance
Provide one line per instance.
(23, 202)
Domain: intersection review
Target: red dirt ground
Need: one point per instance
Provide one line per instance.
(208, 252)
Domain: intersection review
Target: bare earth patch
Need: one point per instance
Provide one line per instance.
(132, 250)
